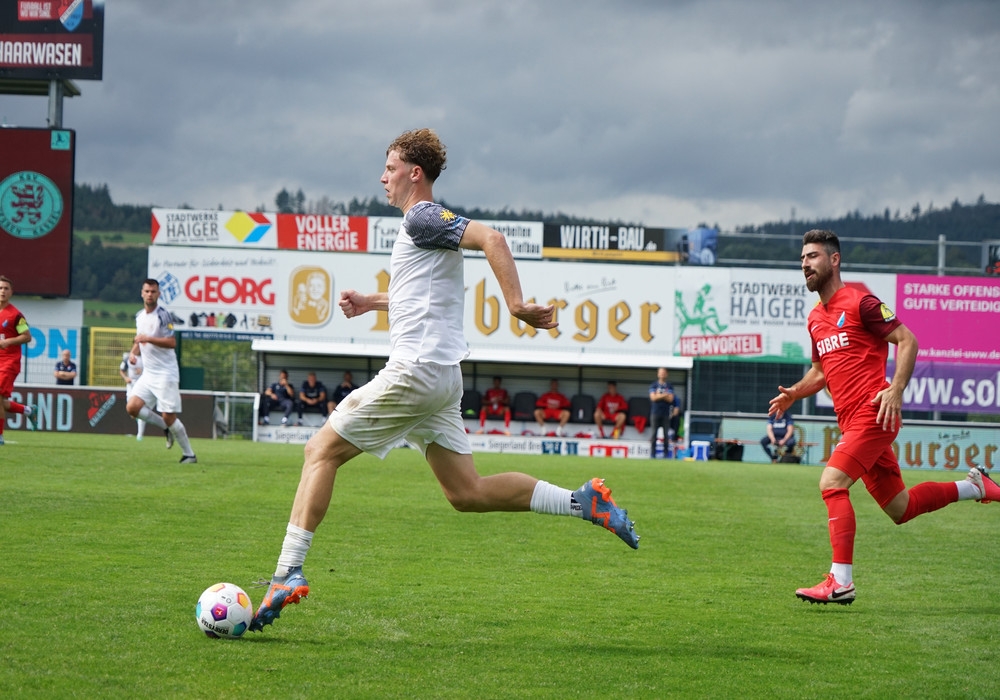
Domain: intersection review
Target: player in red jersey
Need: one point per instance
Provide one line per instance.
(496, 403)
(612, 406)
(850, 333)
(14, 332)
(552, 405)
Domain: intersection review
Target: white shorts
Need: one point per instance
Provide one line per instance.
(130, 389)
(414, 401)
(163, 394)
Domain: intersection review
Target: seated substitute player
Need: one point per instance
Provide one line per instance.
(496, 404)
(312, 397)
(340, 392)
(850, 333)
(279, 395)
(552, 406)
(418, 394)
(612, 405)
(780, 434)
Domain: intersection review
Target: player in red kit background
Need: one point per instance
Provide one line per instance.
(552, 406)
(612, 406)
(14, 332)
(496, 404)
(850, 333)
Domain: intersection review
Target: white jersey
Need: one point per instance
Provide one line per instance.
(133, 371)
(427, 288)
(157, 362)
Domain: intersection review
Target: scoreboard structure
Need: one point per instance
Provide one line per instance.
(36, 209)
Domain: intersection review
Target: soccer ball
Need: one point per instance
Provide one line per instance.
(224, 611)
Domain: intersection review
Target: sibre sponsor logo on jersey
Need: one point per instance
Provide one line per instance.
(832, 343)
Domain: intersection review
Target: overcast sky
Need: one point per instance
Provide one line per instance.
(665, 113)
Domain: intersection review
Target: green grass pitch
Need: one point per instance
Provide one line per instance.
(106, 544)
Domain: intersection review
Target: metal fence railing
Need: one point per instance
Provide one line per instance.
(105, 355)
(235, 415)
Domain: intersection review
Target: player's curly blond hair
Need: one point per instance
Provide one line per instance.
(421, 147)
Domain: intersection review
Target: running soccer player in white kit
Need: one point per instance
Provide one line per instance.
(130, 372)
(160, 378)
(418, 393)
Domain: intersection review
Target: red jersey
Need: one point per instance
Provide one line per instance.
(498, 398)
(848, 340)
(12, 324)
(552, 401)
(612, 404)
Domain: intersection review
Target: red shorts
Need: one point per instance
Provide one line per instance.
(552, 413)
(865, 452)
(500, 410)
(7, 382)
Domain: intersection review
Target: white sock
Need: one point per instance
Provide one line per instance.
(180, 434)
(552, 500)
(141, 430)
(293, 549)
(844, 573)
(152, 418)
(968, 491)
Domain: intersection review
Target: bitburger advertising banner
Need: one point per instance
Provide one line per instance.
(610, 312)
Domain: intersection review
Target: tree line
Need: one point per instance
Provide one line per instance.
(874, 240)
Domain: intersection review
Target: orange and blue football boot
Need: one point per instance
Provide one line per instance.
(289, 589)
(599, 508)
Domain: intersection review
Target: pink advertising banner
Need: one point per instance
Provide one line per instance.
(955, 319)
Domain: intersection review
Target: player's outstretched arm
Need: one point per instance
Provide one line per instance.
(354, 303)
(813, 382)
(481, 237)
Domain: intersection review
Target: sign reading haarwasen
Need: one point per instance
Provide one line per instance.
(612, 313)
(52, 39)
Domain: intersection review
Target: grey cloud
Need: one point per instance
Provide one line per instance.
(661, 112)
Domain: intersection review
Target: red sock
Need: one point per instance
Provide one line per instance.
(843, 524)
(16, 407)
(506, 419)
(929, 496)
